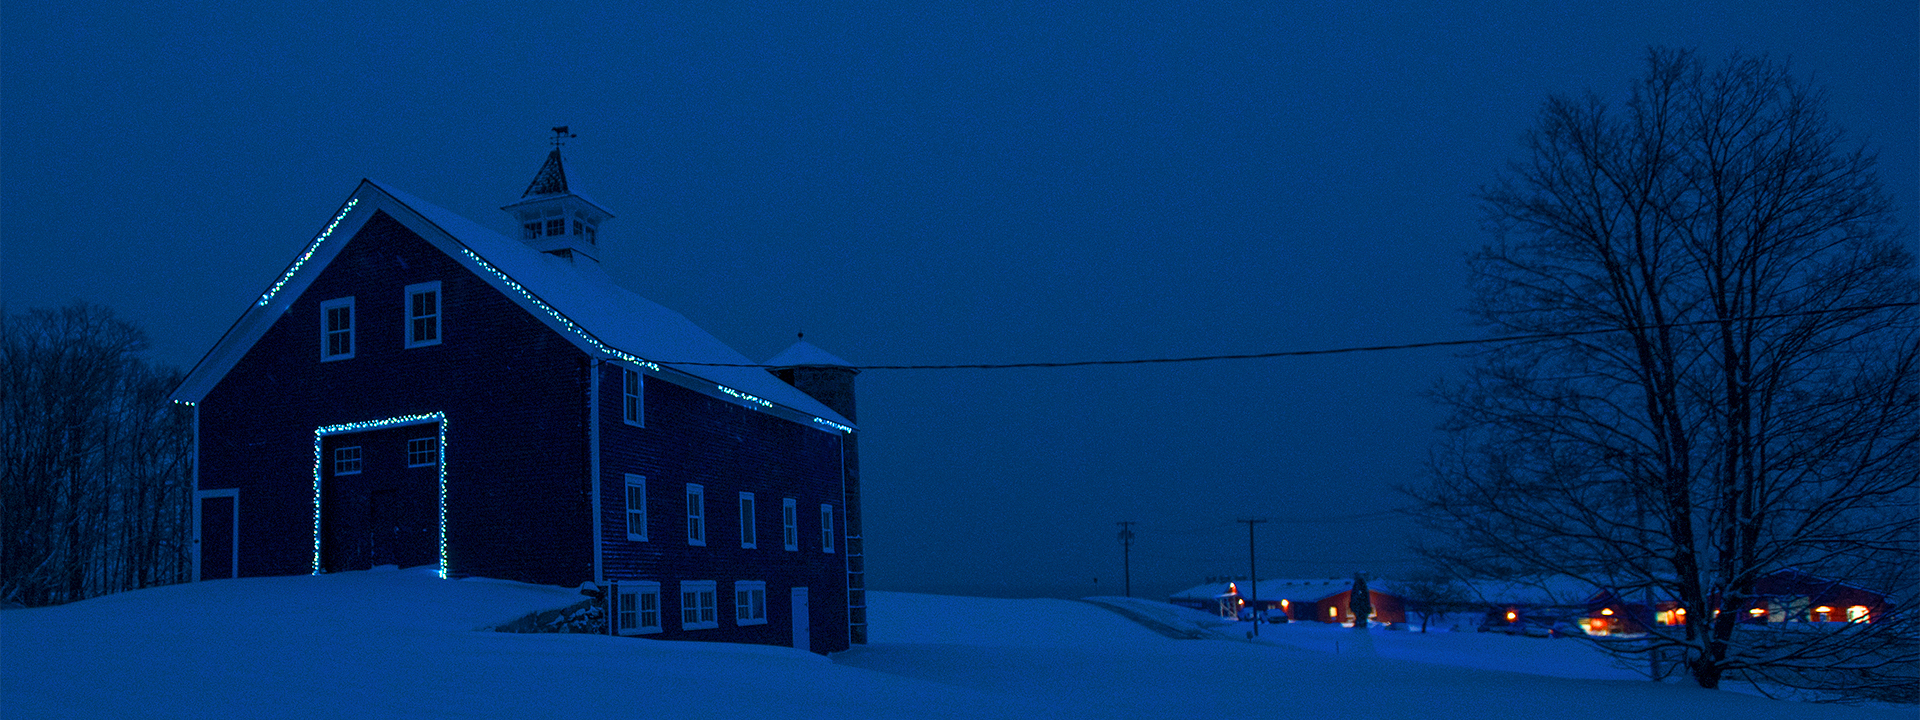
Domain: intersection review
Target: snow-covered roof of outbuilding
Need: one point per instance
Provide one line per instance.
(576, 298)
(806, 354)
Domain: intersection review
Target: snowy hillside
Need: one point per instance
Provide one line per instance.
(404, 644)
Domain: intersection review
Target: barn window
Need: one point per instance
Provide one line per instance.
(750, 602)
(639, 609)
(749, 536)
(336, 329)
(696, 515)
(423, 314)
(636, 507)
(633, 405)
(557, 226)
(423, 452)
(697, 605)
(346, 460)
(826, 528)
(790, 523)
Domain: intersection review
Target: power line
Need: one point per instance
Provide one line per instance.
(1340, 350)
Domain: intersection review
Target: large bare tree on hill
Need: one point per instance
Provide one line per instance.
(1729, 385)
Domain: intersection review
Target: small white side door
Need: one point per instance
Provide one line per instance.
(801, 633)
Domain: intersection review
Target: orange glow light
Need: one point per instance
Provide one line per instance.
(1606, 611)
(1757, 612)
(1512, 616)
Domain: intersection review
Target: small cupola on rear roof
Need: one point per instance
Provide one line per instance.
(552, 217)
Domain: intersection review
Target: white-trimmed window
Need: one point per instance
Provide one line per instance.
(826, 528)
(790, 523)
(749, 535)
(750, 602)
(698, 610)
(636, 507)
(556, 227)
(346, 460)
(423, 314)
(696, 515)
(633, 408)
(530, 230)
(638, 611)
(336, 329)
(423, 452)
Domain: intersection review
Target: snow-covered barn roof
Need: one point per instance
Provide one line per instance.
(576, 298)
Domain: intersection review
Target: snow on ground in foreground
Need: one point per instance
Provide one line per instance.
(404, 644)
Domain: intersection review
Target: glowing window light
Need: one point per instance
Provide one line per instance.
(304, 256)
(1757, 612)
(1606, 611)
(1857, 613)
(321, 432)
(1512, 616)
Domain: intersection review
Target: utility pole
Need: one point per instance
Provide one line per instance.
(1126, 553)
(1253, 572)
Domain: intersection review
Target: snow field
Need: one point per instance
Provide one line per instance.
(405, 644)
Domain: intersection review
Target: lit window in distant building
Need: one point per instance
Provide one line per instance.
(1757, 612)
(1857, 613)
(1824, 613)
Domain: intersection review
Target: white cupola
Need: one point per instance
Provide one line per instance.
(554, 219)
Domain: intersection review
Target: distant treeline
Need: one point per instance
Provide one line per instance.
(96, 476)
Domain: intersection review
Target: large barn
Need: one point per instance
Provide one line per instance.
(418, 390)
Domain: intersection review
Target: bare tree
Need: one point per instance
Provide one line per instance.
(1730, 385)
(95, 478)
(1434, 595)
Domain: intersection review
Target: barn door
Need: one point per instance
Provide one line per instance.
(801, 633)
(216, 534)
(379, 498)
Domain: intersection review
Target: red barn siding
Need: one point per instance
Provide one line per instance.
(513, 391)
(691, 437)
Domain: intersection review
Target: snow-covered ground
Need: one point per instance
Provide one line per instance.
(402, 644)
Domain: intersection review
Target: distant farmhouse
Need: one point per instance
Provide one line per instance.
(1558, 605)
(418, 390)
(1567, 605)
(1320, 600)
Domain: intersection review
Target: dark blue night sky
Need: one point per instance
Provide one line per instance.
(918, 183)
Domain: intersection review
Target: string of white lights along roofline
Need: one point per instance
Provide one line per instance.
(1335, 351)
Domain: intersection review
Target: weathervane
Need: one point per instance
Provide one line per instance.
(560, 136)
